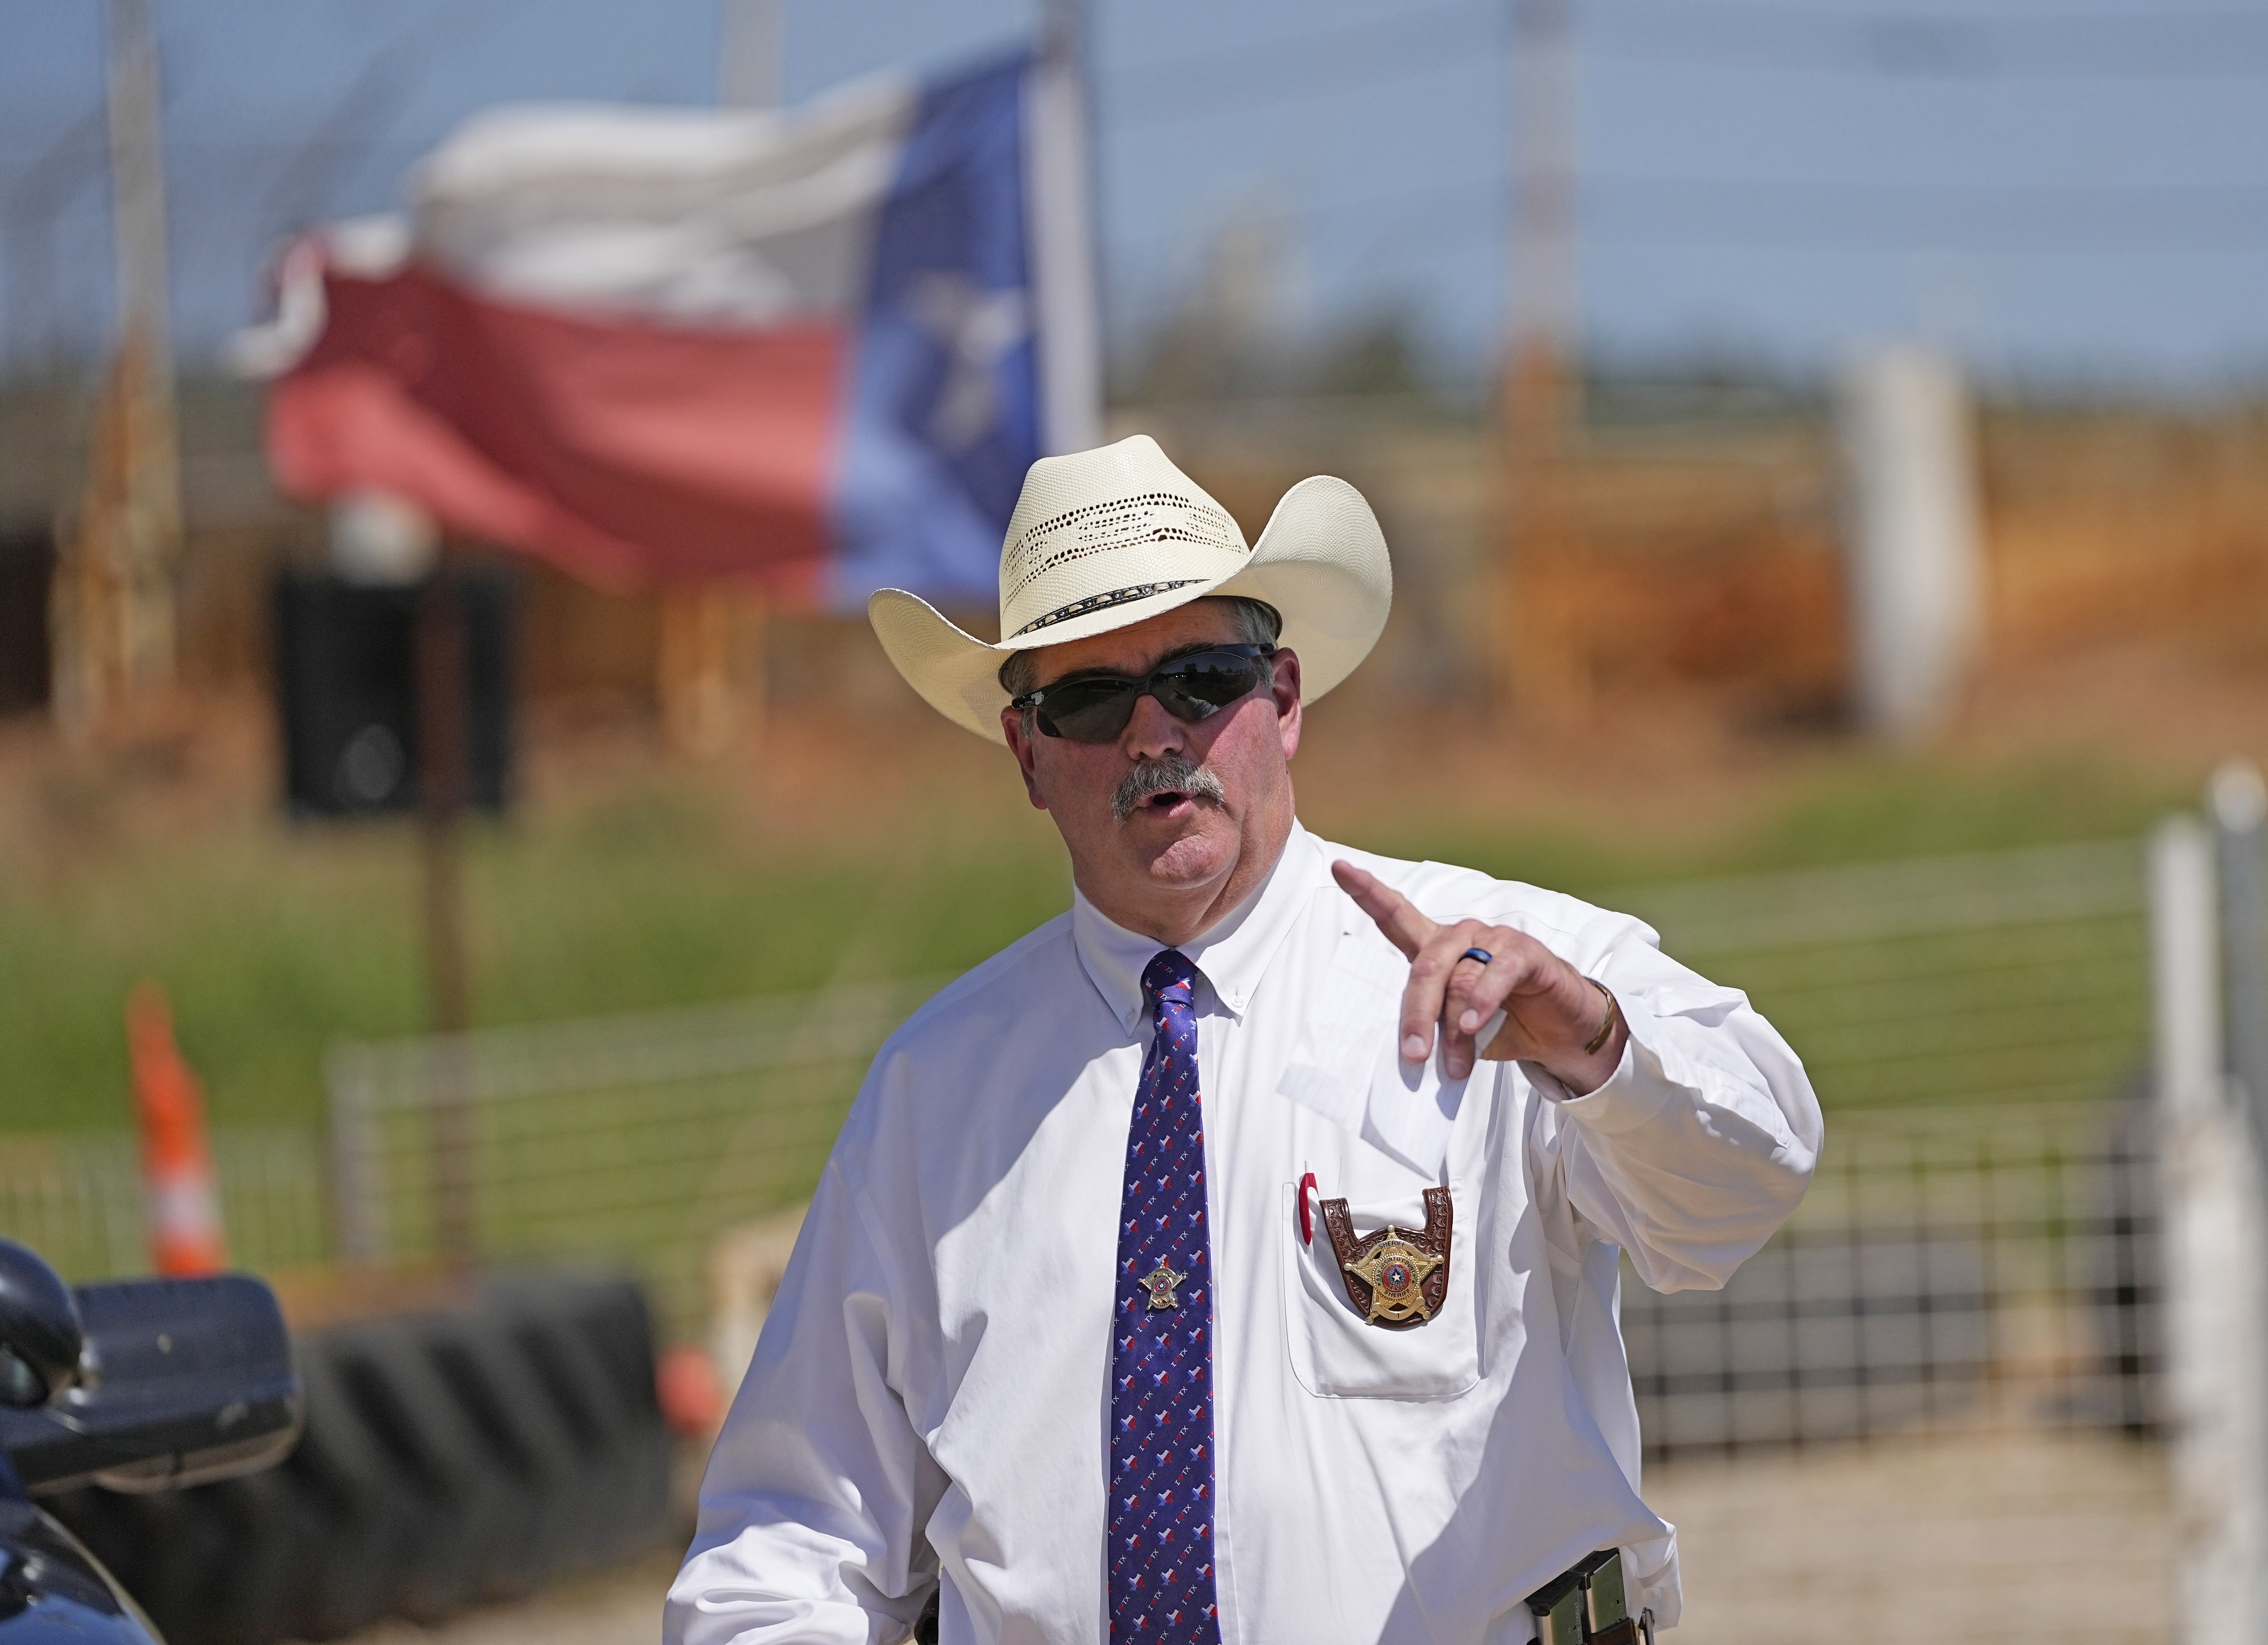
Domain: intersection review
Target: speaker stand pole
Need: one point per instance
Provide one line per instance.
(441, 785)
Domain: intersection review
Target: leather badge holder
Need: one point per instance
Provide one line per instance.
(1397, 1280)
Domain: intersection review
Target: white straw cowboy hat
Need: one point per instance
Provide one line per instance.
(1101, 540)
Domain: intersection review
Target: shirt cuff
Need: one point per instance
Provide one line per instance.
(1639, 1088)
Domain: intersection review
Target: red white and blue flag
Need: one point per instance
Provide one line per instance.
(815, 350)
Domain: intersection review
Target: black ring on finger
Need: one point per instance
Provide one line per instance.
(1480, 954)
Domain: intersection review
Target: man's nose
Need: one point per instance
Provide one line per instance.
(1152, 733)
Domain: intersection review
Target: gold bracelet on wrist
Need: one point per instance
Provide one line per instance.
(1607, 1023)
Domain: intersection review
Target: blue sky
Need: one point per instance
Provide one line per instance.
(2072, 192)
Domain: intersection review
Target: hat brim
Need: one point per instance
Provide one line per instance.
(1321, 562)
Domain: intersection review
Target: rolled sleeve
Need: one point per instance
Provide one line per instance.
(1704, 1137)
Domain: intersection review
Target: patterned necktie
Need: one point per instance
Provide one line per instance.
(1161, 1581)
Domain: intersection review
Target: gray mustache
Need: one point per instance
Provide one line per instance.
(1172, 775)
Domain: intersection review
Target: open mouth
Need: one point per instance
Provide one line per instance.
(1165, 789)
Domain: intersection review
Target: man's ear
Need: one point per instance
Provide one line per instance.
(1286, 693)
(1022, 745)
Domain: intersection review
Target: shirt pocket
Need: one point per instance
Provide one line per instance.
(1335, 1353)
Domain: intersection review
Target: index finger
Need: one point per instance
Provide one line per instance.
(1396, 915)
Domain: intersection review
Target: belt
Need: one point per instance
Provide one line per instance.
(1587, 1605)
(1584, 1604)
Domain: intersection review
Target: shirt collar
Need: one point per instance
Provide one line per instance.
(1232, 956)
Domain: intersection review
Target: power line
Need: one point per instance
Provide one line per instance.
(2217, 44)
(1346, 57)
(1783, 212)
(1918, 46)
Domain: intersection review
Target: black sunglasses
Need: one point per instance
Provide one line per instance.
(1095, 707)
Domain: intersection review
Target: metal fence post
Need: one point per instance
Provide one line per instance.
(2238, 801)
(2210, 1239)
(2184, 971)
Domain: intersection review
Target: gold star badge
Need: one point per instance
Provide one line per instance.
(1160, 1286)
(1395, 1272)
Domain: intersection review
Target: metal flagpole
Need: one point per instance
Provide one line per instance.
(1059, 162)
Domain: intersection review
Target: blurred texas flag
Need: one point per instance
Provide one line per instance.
(816, 350)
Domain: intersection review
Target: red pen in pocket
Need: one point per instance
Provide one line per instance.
(1306, 1217)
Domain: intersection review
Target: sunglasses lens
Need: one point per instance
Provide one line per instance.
(1205, 682)
(1188, 688)
(1089, 710)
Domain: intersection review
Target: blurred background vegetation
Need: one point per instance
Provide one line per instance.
(634, 881)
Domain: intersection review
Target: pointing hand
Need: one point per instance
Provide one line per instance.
(1551, 1010)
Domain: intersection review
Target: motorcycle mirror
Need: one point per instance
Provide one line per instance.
(40, 1337)
(182, 1380)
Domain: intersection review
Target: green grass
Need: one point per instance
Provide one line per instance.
(276, 940)
(1861, 811)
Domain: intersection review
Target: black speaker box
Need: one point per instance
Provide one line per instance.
(27, 564)
(346, 683)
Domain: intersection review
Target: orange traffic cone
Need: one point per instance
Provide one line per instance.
(177, 1167)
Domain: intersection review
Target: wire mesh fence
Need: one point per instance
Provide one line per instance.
(639, 1138)
(1950, 1269)
(78, 1199)
(1965, 1019)
(1998, 977)
(1978, 1246)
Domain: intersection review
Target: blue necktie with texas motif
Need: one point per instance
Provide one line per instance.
(1161, 1564)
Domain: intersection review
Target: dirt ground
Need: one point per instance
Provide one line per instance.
(617, 1607)
(2014, 1538)
(1658, 769)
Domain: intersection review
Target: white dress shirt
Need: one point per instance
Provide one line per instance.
(930, 1391)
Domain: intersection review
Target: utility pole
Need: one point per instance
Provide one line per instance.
(112, 614)
(1541, 660)
(712, 654)
(751, 37)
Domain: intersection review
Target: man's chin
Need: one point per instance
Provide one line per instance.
(1184, 851)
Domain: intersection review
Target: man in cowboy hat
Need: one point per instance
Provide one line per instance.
(1235, 1258)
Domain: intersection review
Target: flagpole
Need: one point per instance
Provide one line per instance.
(1060, 173)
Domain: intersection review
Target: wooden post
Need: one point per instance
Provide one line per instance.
(441, 790)
(710, 667)
(1544, 661)
(112, 614)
